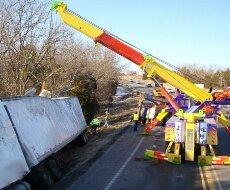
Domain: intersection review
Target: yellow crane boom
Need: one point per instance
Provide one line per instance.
(146, 62)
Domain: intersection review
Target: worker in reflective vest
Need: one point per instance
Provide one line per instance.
(135, 119)
(95, 123)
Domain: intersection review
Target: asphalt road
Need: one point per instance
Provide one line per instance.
(121, 167)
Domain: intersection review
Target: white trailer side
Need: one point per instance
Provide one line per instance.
(45, 125)
(13, 165)
(32, 129)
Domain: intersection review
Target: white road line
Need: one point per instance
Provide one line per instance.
(217, 178)
(123, 166)
(202, 178)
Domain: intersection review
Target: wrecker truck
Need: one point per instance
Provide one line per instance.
(187, 131)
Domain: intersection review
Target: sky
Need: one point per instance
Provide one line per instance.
(178, 31)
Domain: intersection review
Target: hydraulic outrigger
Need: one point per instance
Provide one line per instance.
(187, 130)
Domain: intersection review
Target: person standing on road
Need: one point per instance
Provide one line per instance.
(95, 123)
(143, 115)
(135, 119)
(106, 124)
(152, 113)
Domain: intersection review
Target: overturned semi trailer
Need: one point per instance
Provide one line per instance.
(32, 129)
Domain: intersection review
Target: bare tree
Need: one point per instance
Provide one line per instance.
(28, 44)
(208, 76)
(33, 48)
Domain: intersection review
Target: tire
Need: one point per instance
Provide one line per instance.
(22, 185)
(54, 169)
(41, 178)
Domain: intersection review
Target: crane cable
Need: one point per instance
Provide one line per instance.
(137, 48)
(131, 45)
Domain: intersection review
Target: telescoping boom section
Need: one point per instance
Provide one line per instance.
(146, 62)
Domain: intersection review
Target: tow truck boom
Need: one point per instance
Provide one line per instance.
(146, 62)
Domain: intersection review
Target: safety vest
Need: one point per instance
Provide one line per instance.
(95, 121)
(135, 117)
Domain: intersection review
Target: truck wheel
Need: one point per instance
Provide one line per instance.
(42, 179)
(22, 185)
(82, 139)
(54, 169)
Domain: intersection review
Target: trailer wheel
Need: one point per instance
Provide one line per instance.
(41, 178)
(54, 169)
(22, 185)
